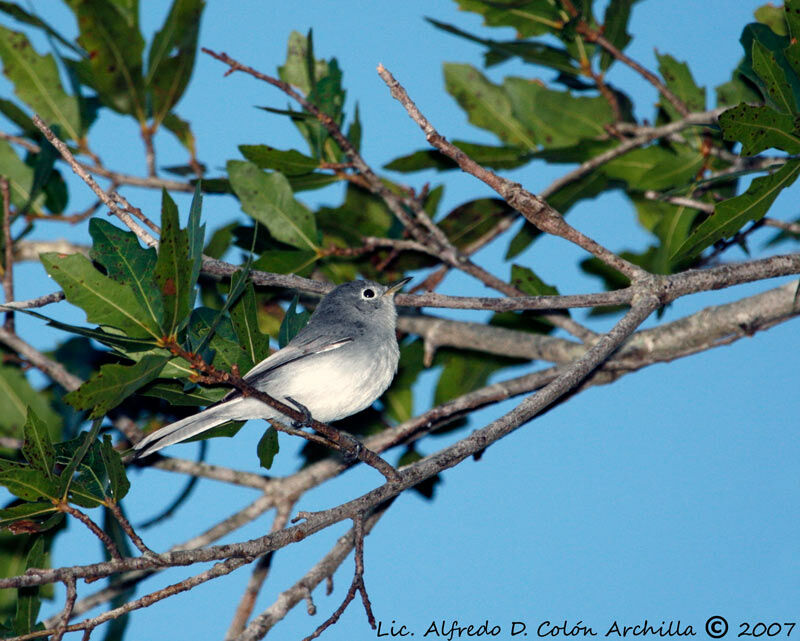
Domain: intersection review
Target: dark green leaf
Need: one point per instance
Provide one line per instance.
(731, 215)
(354, 131)
(29, 484)
(18, 397)
(487, 155)
(792, 15)
(18, 13)
(207, 327)
(114, 383)
(28, 602)
(195, 235)
(268, 447)
(292, 323)
(398, 400)
(172, 54)
(104, 300)
(20, 175)
(37, 448)
(268, 198)
(615, 24)
(33, 512)
(37, 83)
(529, 18)
(522, 240)
(72, 453)
(286, 261)
(244, 316)
(109, 33)
(220, 241)
(679, 80)
(737, 90)
(182, 130)
(486, 104)
(778, 90)
(469, 222)
(174, 269)
(557, 118)
(127, 262)
(759, 128)
(289, 163)
(524, 279)
(174, 393)
(316, 180)
(115, 470)
(464, 372)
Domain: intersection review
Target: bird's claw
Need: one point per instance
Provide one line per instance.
(307, 418)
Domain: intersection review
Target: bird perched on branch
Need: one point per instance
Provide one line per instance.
(337, 365)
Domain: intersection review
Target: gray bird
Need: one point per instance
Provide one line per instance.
(338, 364)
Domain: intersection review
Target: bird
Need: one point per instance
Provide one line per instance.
(337, 365)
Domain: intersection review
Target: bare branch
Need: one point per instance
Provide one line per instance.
(8, 260)
(53, 369)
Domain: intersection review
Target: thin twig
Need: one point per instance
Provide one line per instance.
(536, 210)
(95, 529)
(125, 524)
(8, 262)
(53, 369)
(66, 613)
(357, 585)
(792, 228)
(66, 154)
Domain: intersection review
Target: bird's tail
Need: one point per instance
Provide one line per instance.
(185, 428)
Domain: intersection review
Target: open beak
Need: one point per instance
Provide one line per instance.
(395, 287)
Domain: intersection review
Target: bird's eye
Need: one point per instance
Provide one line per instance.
(368, 293)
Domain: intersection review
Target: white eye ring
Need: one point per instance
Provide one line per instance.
(368, 293)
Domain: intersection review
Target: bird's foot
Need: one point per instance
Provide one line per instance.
(307, 419)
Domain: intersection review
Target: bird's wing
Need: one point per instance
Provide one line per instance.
(297, 349)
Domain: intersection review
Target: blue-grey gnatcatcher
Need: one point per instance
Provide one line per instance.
(338, 364)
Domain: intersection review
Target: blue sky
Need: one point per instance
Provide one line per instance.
(672, 494)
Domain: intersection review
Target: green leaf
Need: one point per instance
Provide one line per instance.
(172, 55)
(289, 163)
(27, 512)
(486, 104)
(23, 16)
(531, 52)
(182, 130)
(174, 269)
(205, 323)
(398, 400)
(615, 25)
(670, 223)
(196, 234)
(679, 80)
(731, 215)
(557, 118)
(292, 323)
(18, 397)
(268, 447)
(778, 90)
(71, 454)
(37, 84)
(20, 175)
(464, 372)
(528, 17)
(268, 198)
(37, 448)
(29, 484)
(244, 316)
(792, 15)
(174, 393)
(524, 279)
(759, 128)
(486, 155)
(773, 17)
(109, 33)
(127, 262)
(297, 71)
(736, 90)
(522, 240)
(105, 301)
(316, 180)
(114, 383)
(469, 222)
(115, 470)
(286, 261)
(28, 601)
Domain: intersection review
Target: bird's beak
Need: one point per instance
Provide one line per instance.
(395, 287)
